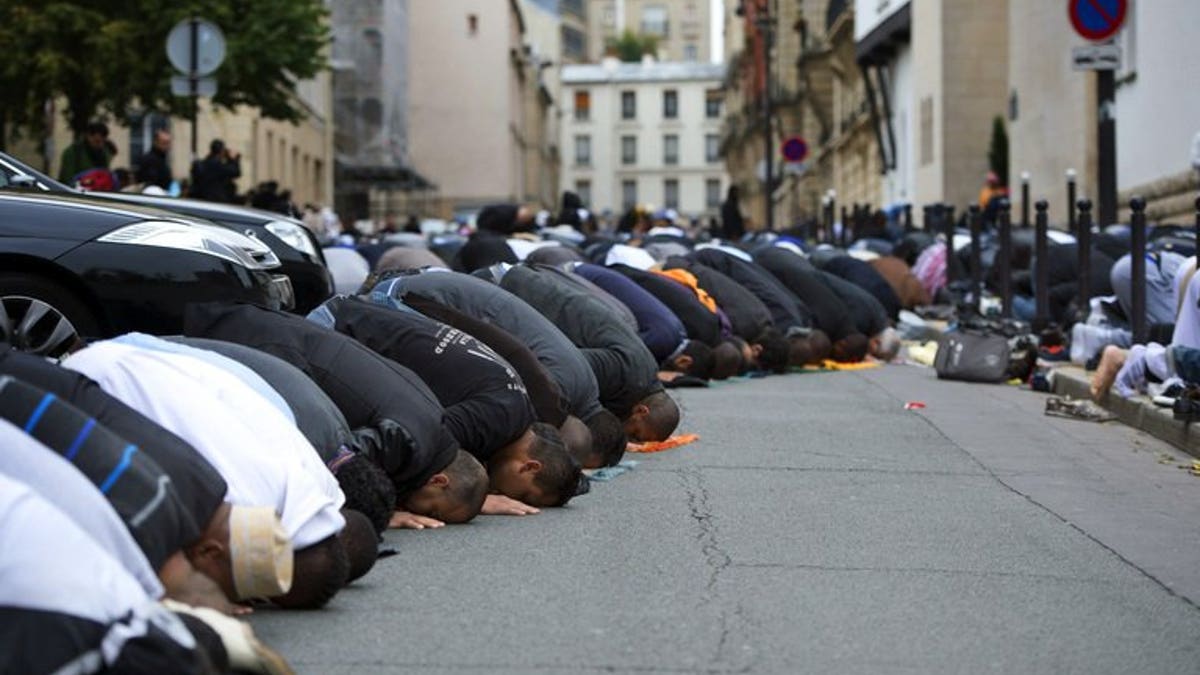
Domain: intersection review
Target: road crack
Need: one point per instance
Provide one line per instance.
(732, 618)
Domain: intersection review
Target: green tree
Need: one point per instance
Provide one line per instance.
(109, 58)
(998, 150)
(630, 46)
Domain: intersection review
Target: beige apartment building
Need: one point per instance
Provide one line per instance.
(476, 109)
(644, 134)
(817, 94)
(681, 26)
(895, 99)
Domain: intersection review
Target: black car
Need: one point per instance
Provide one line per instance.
(297, 249)
(74, 267)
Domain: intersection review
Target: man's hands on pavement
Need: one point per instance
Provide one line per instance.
(499, 505)
(411, 521)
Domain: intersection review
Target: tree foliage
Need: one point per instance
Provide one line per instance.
(630, 46)
(998, 150)
(109, 58)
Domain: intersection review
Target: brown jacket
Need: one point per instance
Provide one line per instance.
(901, 279)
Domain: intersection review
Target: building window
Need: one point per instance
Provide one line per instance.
(629, 149)
(628, 194)
(926, 130)
(583, 150)
(689, 52)
(670, 104)
(670, 149)
(712, 193)
(628, 105)
(472, 24)
(712, 148)
(654, 21)
(712, 104)
(671, 193)
(574, 43)
(583, 105)
(573, 7)
(583, 188)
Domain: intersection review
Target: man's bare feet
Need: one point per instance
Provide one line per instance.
(1111, 361)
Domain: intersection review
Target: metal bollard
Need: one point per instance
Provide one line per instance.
(1042, 270)
(826, 219)
(1137, 254)
(908, 223)
(1198, 228)
(948, 232)
(1071, 201)
(841, 240)
(938, 210)
(976, 218)
(1005, 258)
(832, 214)
(1024, 200)
(1083, 239)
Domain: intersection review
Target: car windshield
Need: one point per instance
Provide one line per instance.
(10, 167)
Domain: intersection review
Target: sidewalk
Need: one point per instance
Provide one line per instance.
(1138, 412)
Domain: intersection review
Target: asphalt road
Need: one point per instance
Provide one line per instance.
(816, 527)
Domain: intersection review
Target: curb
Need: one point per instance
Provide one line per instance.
(1138, 412)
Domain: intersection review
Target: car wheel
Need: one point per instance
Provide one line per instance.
(40, 316)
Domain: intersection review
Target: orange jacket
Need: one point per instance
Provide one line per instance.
(688, 279)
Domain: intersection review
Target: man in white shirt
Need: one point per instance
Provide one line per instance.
(58, 614)
(264, 458)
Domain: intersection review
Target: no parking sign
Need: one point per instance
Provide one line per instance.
(1097, 20)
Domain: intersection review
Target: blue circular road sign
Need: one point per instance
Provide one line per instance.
(1097, 19)
(795, 149)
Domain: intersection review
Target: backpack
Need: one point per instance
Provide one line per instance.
(972, 357)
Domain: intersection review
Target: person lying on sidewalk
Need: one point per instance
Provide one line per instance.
(1128, 371)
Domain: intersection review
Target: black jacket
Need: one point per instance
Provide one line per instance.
(397, 420)
(549, 404)
(804, 280)
(787, 311)
(660, 330)
(197, 484)
(485, 400)
(490, 303)
(153, 169)
(700, 323)
(212, 179)
(317, 417)
(864, 276)
(868, 314)
(748, 316)
(137, 487)
(625, 369)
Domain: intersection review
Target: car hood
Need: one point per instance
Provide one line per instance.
(97, 217)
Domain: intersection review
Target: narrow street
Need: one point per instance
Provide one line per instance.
(817, 526)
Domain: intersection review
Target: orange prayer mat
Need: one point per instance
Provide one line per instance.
(861, 365)
(659, 446)
(828, 365)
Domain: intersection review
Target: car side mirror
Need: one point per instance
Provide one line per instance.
(22, 181)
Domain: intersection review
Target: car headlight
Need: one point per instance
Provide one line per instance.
(293, 235)
(186, 237)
